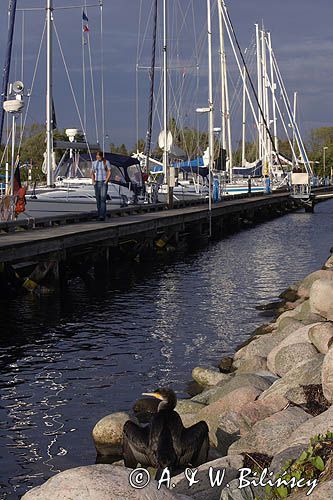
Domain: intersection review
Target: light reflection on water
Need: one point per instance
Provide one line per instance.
(66, 362)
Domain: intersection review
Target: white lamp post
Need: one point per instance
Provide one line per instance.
(210, 161)
(324, 160)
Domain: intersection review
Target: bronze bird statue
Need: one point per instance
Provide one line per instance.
(165, 442)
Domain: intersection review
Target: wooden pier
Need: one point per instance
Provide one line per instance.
(51, 242)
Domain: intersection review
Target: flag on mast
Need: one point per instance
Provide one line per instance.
(85, 20)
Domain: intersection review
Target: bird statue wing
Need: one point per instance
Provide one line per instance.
(135, 444)
(195, 445)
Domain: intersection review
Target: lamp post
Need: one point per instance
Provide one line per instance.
(210, 161)
(324, 160)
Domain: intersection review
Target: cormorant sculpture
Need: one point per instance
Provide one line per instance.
(165, 442)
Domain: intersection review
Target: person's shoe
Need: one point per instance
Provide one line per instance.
(102, 219)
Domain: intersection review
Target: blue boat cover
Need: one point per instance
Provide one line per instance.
(195, 166)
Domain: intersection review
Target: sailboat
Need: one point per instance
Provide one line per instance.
(69, 187)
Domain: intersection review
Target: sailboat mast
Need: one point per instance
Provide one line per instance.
(268, 145)
(227, 109)
(260, 148)
(210, 92)
(49, 121)
(273, 88)
(165, 90)
(6, 69)
(244, 117)
(222, 65)
(151, 97)
(294, 136)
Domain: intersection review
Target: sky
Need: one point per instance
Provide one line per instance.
(302, 40)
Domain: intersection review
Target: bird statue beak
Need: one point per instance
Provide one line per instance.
(153, 394)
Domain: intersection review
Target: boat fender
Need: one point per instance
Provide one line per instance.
(21, 201)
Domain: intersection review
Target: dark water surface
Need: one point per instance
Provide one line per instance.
(66, 362)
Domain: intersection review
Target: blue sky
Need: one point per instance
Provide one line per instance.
(302, 38)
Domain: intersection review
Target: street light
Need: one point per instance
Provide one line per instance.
(324, 162)
(210, 161)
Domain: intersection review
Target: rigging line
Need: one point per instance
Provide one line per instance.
(5, 151)
(22, 59)
(61, 7)
(152, 83)
(92, 86)
(32, 87)
(144, 35)
(137, 78)
(102, 79)
(84, 76)
(70, 84)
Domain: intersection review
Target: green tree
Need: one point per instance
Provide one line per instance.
(121, 150)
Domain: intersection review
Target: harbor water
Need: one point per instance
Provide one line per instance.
(66, 361)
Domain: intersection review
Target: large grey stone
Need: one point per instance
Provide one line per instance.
(208, 377)
(97, 482)
(205, 396)
(327, 375)
(262, 345)
(284, 318)
(250, 492)
(289, 357)
(266, 436)
(321, 336)
(258, 410)
(233, 401)
(228, 430)
(329, 263)
(306, 315)
(239, 381)
(203, 490)
(234, 424)
(323, 491)
(306, 373)
(299, 336)
(281, 459)
(296, 395)
(321, 298)
(306, 284)
(320, 424)
(253, 364)
(188, 406)
(108, 434)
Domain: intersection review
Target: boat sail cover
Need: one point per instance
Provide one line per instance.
(250, 169)
(125, 170)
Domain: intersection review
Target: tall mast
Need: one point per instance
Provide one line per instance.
(294, 137)
(151, 97)
(227, 109)
(268, 145)
(165, 101)
(273, 87)
(49, 122)
(210, 106)
(244, 117)
(6, 69)
(222, 65)
(259, 77)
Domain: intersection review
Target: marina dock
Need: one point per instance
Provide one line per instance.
(73, 233)
(70, 240)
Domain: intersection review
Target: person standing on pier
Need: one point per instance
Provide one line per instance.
(100, 174)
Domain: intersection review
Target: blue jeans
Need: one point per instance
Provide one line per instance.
(101, 191)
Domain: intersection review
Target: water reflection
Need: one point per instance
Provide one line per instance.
(67, 361)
